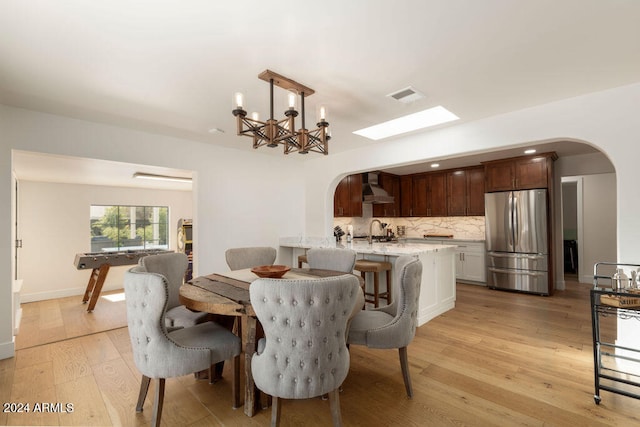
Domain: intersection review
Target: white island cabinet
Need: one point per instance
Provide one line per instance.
(471, 256)
(438, 288)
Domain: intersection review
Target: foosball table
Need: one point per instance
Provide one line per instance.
(100, 262)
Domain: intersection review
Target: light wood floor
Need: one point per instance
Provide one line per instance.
(63, 318)
(497, 359)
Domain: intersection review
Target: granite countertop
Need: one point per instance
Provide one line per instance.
(383, 248)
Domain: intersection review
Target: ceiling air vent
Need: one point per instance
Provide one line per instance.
(406, 95)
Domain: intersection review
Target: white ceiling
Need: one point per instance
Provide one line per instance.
(172, 67)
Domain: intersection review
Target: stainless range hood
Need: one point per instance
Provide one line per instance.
(372, 192)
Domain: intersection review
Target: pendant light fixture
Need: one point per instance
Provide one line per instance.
(274, 132)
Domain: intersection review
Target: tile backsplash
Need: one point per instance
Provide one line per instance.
(461, 227)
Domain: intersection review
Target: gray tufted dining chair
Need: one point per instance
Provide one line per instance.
(240, 258)
(337, 259)
(394, 325)
(173, 267)
(159, 354)
(304, 353)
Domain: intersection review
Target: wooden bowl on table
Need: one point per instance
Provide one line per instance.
(270, 271)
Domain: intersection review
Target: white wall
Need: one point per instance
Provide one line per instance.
(599, 222)
(54, 226)
(7, 240)
(584, 164)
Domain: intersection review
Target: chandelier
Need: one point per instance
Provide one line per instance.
(273, 132)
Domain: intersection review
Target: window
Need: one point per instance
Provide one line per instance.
(118, 228)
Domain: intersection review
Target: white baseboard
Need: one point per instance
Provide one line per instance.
(18, 317)
(58, 293)
(8, 349)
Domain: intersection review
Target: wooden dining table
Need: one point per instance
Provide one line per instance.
(228, 294)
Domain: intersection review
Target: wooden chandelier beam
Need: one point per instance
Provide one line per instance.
(285, 82)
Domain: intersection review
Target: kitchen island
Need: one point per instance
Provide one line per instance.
(438, 288)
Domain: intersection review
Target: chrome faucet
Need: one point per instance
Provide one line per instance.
(370, 238)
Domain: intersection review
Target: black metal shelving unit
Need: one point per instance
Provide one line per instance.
(616, 367)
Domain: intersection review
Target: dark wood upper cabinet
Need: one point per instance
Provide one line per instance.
(419, 195)
(499, 176)
(519, 173)
(465, 192)
(355, 189)
(347, 200)
(391, 184)
(341, 198)
(475, 191)
(427, 195)
(406, 195)
(532, 173)
(457, 193)
(437, 194)
(446, 193)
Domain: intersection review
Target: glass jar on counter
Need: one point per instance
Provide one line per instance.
(619, 281)
(635, 278)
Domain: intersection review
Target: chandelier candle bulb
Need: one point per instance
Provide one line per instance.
(291, 96)
(239, 100)
(323, 114)
(255, 116)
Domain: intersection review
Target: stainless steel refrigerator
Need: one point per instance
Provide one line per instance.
(517, 241)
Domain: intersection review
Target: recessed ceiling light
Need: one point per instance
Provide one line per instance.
(216, 130)
(420, 120)
(143, 175)
(530, 151)
(435, 165)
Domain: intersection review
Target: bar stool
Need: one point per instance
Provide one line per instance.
(302, 259)
(376, 267)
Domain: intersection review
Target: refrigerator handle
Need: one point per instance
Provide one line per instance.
(510, 220)
(515, 255)
(516, 224)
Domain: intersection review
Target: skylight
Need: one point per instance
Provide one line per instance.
(420, 120)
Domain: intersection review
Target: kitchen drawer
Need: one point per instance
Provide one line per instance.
(518, 261)
(518, 280)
